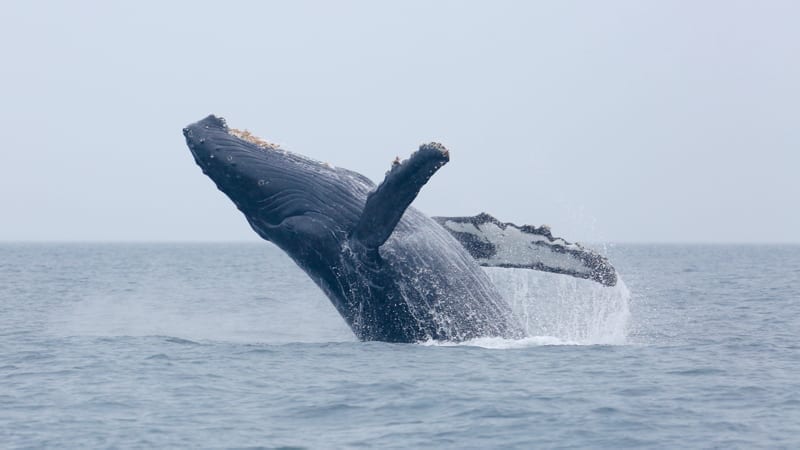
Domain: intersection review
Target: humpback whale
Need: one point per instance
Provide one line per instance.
(393, 273)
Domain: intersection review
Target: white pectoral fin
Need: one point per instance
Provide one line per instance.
(497, 244)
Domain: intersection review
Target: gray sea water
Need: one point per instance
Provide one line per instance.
(231, 346)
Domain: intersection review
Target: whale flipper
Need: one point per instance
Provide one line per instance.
(387, 203)
(499, 244)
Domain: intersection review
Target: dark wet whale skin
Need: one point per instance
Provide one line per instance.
(419, 284)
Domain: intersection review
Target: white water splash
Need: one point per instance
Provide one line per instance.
(499, 343)
(562, 310)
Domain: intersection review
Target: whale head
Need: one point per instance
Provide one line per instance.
(274, 188)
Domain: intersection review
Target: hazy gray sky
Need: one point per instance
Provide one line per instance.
(609, 121)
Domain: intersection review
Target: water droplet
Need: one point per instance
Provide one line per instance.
(202, 140)
(229, 158)
(263, 182)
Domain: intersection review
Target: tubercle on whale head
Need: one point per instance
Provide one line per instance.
(210, 122)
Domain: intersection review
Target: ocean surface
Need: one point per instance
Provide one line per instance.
(231, 346)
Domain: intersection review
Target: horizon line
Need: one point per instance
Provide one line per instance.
(255, 241)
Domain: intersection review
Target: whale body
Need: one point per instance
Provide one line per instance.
(393, 273)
